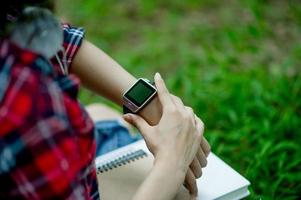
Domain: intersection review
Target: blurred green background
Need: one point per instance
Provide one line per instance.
(237, 63)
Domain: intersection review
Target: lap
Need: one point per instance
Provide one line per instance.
(111, 131)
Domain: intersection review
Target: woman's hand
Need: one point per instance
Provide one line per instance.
(176, 139)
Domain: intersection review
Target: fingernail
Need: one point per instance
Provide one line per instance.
(127, 116)
(157, 76)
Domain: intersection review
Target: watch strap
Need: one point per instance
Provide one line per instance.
(126, 110)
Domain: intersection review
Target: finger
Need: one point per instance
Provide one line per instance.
(202, 157)
(196, 168)
(182, 108)
(163, 92)
(191, 114)
(177, 101)
(205, 146)
(190, 183)
(138, 122)
(200, 124)
(204, 143)
(193, 198)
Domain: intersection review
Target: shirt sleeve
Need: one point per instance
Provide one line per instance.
(73, 37)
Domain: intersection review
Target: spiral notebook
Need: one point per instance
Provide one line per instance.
(121, 172)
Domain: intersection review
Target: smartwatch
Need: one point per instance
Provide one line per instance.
(138, 96)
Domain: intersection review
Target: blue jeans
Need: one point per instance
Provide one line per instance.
(110, 135)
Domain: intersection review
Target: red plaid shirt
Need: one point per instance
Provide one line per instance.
(46, 138)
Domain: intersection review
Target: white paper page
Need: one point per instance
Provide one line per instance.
(219, 179)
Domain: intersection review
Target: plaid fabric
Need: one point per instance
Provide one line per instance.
(46, 138)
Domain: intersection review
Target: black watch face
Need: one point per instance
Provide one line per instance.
(140, 93)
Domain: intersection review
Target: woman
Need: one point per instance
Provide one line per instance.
(47, 139)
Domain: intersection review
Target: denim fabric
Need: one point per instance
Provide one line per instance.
(110, 135)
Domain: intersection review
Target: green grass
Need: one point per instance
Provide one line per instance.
(237, 63)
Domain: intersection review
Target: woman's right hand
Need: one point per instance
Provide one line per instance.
(176, 139)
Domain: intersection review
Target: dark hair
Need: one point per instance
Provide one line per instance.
(11, 10)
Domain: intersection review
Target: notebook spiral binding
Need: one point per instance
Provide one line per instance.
(122, 160)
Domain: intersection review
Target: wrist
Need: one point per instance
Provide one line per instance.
(127, 84)
(172, 166)
(152, 112)
(162, 174)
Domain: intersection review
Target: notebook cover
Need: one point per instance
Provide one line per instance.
(218, 180)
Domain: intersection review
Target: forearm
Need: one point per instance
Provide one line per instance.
(101, 74)
(164, 181)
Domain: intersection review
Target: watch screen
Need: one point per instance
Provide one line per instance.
(139, 93)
